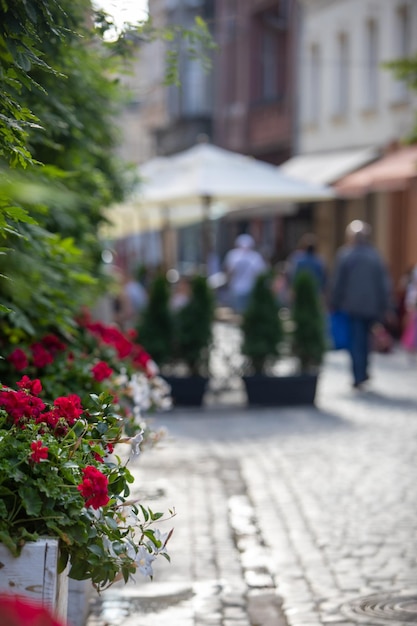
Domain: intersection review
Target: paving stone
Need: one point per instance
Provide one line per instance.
(316, 504)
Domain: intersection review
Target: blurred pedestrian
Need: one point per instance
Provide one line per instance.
(181, 294)
(409, 336)
(242, 265)
(280, 285)
(361, 288)
(306, 259)
(130, 301)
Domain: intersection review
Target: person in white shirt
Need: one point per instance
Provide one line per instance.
(243, 265)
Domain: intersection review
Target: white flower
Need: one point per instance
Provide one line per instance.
(144, 560)
(152, 368)
(162, 538)
(135, 443)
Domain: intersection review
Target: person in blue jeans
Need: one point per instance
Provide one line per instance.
(361, 288)
(306, 259)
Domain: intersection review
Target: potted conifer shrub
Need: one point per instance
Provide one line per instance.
(308, 337)
(156, 327)
(192, 325)
(308, 341)
(263, 335)
(180, 338)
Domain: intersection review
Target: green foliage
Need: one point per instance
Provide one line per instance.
(406, 70)
(59, 99)
(179, 337)
(308, 340)
(195, 43)
(156, 327)
(261, 326)
(193, 327)
(54, 482)
(56, 72)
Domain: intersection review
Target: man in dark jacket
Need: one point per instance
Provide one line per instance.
(361, 289)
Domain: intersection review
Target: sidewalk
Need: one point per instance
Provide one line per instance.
(298, 516)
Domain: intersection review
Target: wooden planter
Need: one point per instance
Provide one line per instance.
(281, 390)
(35, 574)
(187, 390)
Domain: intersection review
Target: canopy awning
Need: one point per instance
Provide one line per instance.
(327, 167)
(392, 172)
(234, 180)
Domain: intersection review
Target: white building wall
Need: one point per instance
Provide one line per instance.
(323, 124)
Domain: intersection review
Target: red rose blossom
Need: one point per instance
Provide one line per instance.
(140, 357)
(69, 407)
(33, 386)
(21, 406)
(19, 359)
(23, 611)
(52, 419)
(39, 451)
(94, 487)
(53, 344)
(101, 371)
(41, 356)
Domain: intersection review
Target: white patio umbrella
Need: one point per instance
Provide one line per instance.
(205, 182)
(232, 179)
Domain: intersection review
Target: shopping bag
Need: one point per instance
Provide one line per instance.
(339, 330)
(382, 341)
(409, 336)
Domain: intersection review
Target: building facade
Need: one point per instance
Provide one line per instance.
(352, 108)
(254, 79)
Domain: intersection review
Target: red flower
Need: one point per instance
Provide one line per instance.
(112, 336)
(123, 347)
(51, 418)
(101, 371)
(141, 358)
(33, 386)
(19, 359)
(20, 405)
(53, 344)
(23, 611)
(94, 487)
(39, 452)
(41, 356)
(131, 334)
(84, 317)
(69, 407)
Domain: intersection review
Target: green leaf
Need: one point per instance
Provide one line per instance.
(31, 500)
(95, 549)
(144, 513)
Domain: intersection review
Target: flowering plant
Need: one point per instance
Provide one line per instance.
(60, 476)
(97, 357)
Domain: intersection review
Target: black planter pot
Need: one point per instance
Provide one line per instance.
(281, 390)
(187, 390)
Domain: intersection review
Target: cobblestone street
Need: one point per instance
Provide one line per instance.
(295, 516)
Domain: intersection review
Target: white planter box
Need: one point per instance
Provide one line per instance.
(35, 574)
(79, 594)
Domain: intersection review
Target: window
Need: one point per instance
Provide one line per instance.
(269, 65)
(371, 65)
(195, 100)
(269, 71)
(341, 79)
(402, 48)
(314, 84)
(230, 64)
